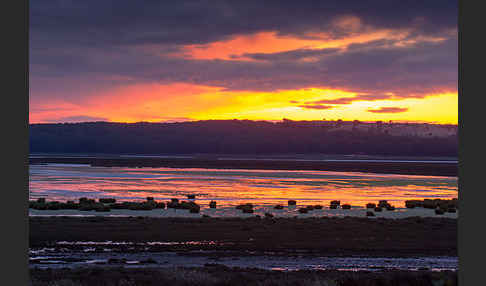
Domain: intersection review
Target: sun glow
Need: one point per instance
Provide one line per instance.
(181, 102)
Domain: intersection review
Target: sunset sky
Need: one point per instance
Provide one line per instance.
(157, 61)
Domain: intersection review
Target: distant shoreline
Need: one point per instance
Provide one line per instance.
(447, 168)
(246, 138)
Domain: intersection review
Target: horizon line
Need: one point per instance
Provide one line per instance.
(252, 120)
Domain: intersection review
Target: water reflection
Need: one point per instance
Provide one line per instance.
(231, 187)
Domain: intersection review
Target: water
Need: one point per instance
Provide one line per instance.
(263, 188)
(109, 255)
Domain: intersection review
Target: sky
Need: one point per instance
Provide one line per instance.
(169, 61)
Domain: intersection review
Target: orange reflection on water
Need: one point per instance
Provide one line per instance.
(231, 187)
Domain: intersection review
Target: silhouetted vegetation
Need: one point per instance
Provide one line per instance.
(228, 137)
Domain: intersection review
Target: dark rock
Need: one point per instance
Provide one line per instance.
(145, 206)
(246, 208)
(346, 207)
(370, 205)
(383, 204)
(412, 204)
(429, 204)
(107, 200)
(194, 208)
(455, 202)
(184, 205)
(278, 207)
(172, 205)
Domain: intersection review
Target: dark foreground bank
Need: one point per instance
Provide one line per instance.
(221, 275)
(382, 167)
(349, 236)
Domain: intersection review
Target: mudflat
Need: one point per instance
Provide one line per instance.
(346, 236)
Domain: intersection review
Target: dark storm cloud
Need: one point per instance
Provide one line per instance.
(407, 70)
(115, 22)
(404, 71)
(389, 110)
(79, 46)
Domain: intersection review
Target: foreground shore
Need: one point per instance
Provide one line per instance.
(381, 166)
(348, 236)
(220, 275)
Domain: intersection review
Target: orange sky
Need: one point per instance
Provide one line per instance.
(157, 103)
(154, 102)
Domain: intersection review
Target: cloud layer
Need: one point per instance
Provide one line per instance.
(389, 110)
(378, 50)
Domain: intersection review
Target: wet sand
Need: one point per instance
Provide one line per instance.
(382, 167)
(348, 236)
